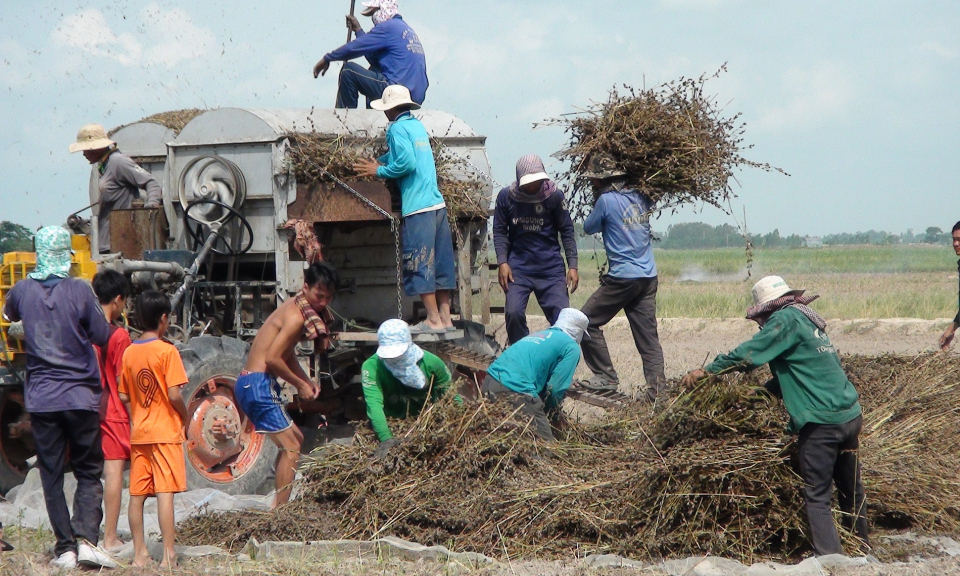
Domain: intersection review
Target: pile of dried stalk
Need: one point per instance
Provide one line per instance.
(173, 119)
(708, 473)
(315, 157)
(672, 140)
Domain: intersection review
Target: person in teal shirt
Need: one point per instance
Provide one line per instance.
(399, 380)
(428, 260)
(534, 373)
(823, 405)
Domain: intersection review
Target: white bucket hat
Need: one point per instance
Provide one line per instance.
(769, 288)
(393, 338)
(393, 96)
(91, 137)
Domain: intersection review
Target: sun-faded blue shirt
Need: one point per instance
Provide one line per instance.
(622, 218)
(409, 161)
(541, 364)
(61, 321)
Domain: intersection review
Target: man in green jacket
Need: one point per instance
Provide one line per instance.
(399, 380)
(824, 407)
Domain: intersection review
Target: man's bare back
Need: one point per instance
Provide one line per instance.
(288, 312)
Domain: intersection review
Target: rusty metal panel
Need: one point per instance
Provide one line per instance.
(137, 229)
(329, 203)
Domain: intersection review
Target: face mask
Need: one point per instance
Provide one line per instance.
(404, 368)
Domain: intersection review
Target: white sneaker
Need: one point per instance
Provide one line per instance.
(93, 556)
(65, 561)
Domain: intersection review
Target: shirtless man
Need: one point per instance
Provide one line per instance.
(273, 355)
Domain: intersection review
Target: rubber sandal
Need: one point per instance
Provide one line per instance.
(423, 328)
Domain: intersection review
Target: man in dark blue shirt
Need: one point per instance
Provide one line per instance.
(393, 50)
(62, 319)
(529, 216)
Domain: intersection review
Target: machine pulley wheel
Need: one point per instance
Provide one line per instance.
(236, 234)
(212, 178)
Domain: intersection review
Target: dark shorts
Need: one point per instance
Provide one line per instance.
(428, 261)
(258, 395)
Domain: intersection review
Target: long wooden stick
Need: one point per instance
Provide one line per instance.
(353, 5)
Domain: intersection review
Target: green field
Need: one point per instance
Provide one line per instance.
(913, 281)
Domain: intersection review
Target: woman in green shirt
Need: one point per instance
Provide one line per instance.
(399, 379)
(824, 407)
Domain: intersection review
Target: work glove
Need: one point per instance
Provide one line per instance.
(384, 448)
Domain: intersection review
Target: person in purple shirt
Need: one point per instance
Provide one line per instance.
(529, 216)
(62, 319)
(391, 47)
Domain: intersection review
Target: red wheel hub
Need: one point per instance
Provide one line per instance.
(221, 441)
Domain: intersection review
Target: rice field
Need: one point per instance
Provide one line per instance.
(913, 281)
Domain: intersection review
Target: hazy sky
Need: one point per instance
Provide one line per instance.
(856, 100)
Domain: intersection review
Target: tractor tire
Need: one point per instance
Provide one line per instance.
(232, 457)
(13, 451)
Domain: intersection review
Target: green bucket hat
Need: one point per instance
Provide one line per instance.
(53, 253)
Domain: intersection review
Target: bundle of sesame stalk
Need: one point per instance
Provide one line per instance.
(172, 119)
(319, 158)
(672, 140)
(710, 471)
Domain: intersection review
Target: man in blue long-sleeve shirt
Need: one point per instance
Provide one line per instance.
(535, 373)
(623, 216)
(391, 47)
(428, 261)
(529, 215)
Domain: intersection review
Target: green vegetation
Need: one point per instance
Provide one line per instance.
(14, 237)
(914, 281)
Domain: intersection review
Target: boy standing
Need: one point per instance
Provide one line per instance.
(150, 387)
(112, 290)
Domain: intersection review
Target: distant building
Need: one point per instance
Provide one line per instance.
(813, 241)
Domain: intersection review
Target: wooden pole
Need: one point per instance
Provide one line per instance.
(353, 5)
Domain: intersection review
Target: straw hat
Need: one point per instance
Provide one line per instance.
(770, 288)
(91, 137)
(393, 96)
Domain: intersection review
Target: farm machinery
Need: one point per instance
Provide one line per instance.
(219, 247)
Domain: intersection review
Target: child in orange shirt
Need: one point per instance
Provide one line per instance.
(150, 387)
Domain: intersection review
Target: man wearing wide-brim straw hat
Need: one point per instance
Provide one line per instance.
(120, 178)
(622, 215)
(428, 261)
(823, 405)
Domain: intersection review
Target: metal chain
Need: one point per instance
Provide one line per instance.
(394, 227)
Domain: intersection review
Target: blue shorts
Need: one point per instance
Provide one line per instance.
(428, 261)
(258, 395)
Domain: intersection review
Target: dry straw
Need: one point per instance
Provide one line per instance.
(672, 140)
(710, 472)
(315, 157)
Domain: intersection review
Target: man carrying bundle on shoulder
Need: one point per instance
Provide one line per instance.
(622, 215)
(823, 405)
(399, 380)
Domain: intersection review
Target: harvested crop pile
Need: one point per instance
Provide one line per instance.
(709, 473)
(317, 158)
(672, 140)
(174, 119)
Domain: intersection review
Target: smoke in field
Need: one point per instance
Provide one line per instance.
(695, 273)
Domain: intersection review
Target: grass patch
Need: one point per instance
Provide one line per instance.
(853, 281)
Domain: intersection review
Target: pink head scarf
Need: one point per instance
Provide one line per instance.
(388, 9)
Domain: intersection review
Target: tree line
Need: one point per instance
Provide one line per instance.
(697, 235)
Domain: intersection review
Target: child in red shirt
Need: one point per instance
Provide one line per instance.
(150, 385)
(112, 291)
